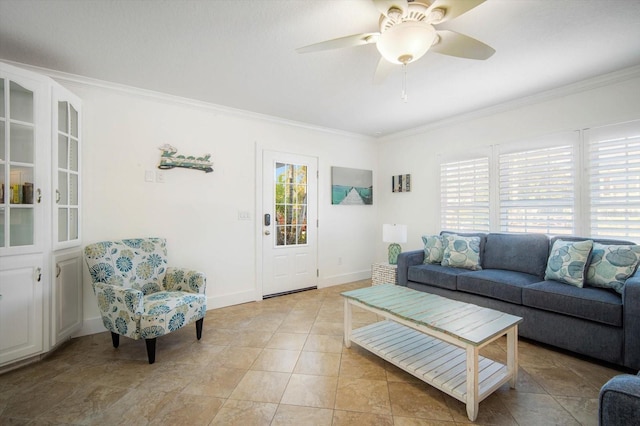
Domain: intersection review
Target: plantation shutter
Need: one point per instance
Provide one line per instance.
(537, 191)
(614, 181)
(464, 195)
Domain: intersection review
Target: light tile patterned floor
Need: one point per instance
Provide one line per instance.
(280, 362)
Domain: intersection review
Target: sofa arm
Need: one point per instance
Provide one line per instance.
(631, 322)
(182, 279)
(120, 308)
(619, 401)
(406, 259)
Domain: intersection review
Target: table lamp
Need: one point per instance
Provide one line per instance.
(394, 234)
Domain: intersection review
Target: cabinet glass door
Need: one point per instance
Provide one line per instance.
(67, 199)
(17, 161)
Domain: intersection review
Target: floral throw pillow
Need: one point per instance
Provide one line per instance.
(433, 249)
(611, 265)
(461, 252)
(567, 261)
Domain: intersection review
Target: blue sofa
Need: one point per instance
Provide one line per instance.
(592, 321)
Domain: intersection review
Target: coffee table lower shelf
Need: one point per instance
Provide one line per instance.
(440, 364)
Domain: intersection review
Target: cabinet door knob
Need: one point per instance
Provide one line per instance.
(57, 196)
(58, 270)
(38, 274)
(39, 195)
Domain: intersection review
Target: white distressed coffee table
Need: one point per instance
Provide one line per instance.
(436, 339)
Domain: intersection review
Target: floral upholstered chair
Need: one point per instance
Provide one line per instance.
(139, 296)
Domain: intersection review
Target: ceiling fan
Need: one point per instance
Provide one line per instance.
(408, 29)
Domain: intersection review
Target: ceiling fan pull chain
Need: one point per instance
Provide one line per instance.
(404, 83)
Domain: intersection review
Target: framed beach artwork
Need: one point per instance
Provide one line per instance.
(351, 186)
(401, 183)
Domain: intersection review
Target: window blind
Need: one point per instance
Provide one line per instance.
(464, 195)
(614, 181)
(537, 191)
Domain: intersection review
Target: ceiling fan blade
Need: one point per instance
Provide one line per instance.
(336, 43)
(383, 70)
(453, 8)
(455, 44)
(384, 5)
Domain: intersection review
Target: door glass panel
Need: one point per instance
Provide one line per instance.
(62, 224)
(3, 188)
(62, 188)
(2, 214)
(21, 227)
(63, 149)
(73, 154)
(21, 143)
(2, 110)
(290, 204)
(74, 122)
(73, 190)
(73, 224)
(21, 103)
(2, 144)
(63, 119)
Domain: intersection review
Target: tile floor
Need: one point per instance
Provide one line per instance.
(279, 362)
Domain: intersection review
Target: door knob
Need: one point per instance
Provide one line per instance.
(267, 232)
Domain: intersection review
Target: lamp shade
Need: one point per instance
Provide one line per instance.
(394, 233)
(406, 42)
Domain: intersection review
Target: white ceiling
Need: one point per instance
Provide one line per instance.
(240, 54)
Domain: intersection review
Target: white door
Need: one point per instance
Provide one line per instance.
(289, 222)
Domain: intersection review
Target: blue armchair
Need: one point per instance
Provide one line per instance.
(619, 402)
(139, 296)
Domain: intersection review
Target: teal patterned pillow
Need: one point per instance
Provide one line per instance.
(461, 252)
(567, 261)
(611, 265)
(433, 249)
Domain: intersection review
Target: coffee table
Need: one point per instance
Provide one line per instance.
(436, 339)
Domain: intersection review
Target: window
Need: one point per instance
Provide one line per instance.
(464, 195)
(290, 204)
(583, 182)
(537, 191)
(613, 160)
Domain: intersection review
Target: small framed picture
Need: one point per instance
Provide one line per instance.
(401, 183)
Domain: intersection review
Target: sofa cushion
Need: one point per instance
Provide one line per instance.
(497, 284)
(526, 253)
(433, 248)
(461, 252)
(567, 261)
(595, 304)
(611, 265)
(481, 235)
(435, 275)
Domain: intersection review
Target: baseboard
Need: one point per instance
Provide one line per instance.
(344, 278)
(214, 302)
(90, 326)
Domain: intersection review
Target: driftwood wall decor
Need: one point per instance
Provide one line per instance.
(169, 160)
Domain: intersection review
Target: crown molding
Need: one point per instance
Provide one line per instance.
(78, 80)
(559, 92)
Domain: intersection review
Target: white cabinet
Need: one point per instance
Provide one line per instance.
(66, 315)
(40, 208)
(21, 309)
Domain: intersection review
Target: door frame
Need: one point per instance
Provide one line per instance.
(258, 228)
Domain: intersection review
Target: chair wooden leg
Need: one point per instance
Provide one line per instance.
(151, 350)
(199, 328)
(115, 339)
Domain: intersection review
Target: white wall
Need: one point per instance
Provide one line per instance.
(198, 212)
(605, 100)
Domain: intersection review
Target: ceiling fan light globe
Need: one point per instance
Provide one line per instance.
(409, 39)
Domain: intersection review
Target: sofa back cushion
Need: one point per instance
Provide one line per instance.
(526, 253)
